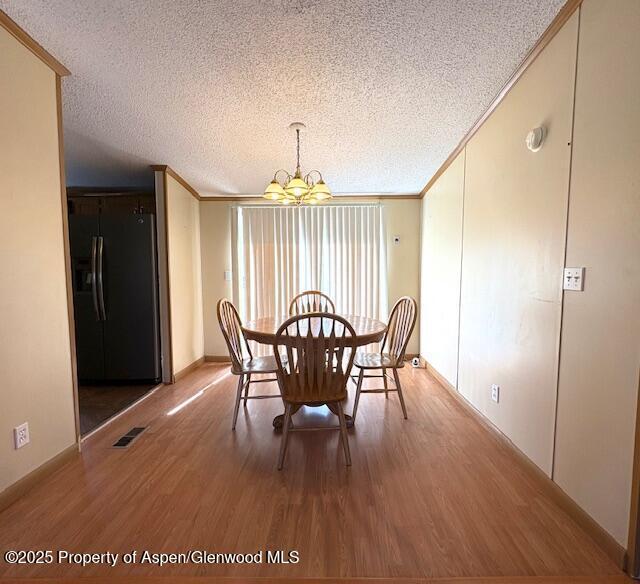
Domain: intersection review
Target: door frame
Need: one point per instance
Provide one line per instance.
(164, 292)
(67, 263)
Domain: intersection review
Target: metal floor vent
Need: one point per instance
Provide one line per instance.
(129, 437)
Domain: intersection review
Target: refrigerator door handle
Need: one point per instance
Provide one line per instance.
(103, 312)
(94, 288)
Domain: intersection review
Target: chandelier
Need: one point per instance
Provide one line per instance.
(296, 189)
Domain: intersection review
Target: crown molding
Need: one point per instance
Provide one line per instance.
(556, 24)
(23, 37)
(345, 196)
(173, 174)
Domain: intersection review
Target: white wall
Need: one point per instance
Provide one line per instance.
(35, 357)
(185, 275)
(579, 195)
(600, 352)
(440, 271)
(403, 260)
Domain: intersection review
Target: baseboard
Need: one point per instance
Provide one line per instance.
(600, 535)
(188, 369)
(13, 492)
(217, 359)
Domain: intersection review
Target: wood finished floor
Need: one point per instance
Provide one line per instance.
(268, 580)
(436, 496)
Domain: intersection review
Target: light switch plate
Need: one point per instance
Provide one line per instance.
(573, 279)
(227, 275)
(495, 393)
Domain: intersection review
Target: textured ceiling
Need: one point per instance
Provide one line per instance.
(387, 88)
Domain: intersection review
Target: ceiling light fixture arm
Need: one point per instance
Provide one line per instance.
(308, 178)
(287, 179)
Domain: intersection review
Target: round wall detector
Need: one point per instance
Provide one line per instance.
(535, 138)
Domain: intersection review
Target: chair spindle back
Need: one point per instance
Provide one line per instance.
(317, 364)
(311, 301)
(400, 327)
(231, 327)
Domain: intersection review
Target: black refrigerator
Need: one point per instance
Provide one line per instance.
(115, 297)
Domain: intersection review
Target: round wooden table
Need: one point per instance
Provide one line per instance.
(263, 330)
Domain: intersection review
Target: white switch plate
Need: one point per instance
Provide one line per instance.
(495, 393)
(227, 275)
(21, 435)
(573, 279)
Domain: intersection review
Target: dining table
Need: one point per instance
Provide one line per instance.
(367, 331)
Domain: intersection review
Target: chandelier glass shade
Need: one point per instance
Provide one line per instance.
(297, 189)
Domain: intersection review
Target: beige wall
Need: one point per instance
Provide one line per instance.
(403, 259)
(515, 205)
(600, 351)
(440, 271)
(185, 275)
(215, 229)
(515, 225)
(35, 360)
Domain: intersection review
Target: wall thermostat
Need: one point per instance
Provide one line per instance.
(535, 138)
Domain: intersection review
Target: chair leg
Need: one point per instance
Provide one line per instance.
(246, 390)
(359, 387)
(238, 397)
(386, 383)
(343, 434)
(285, 435)
(397, 379)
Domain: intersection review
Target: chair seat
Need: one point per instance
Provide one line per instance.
(259, 365)
(377, 361)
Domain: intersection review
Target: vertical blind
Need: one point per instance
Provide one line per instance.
(282, 251)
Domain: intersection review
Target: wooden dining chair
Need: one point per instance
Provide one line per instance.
(243, 363)
(311, 301)
(391, 355)
(309, 376)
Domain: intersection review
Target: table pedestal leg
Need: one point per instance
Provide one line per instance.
(347, 418)
(278, 421)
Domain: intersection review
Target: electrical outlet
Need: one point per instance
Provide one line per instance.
(396, 239)
(495, 393)
(21, 435)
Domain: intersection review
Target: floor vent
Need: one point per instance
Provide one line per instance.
(129, 437)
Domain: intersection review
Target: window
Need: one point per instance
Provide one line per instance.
(338, 249)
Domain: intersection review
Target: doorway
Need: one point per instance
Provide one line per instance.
(114, 269)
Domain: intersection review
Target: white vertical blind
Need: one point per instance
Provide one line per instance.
(338, 249)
